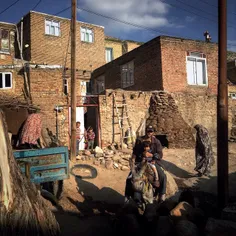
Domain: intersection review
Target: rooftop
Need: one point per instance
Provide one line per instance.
(63, 18)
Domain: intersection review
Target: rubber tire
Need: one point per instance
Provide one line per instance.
(92, 169)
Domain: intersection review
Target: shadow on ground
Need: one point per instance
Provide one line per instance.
(96, 201)
(175, 170)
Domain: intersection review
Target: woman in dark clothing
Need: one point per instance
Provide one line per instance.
(203, 151)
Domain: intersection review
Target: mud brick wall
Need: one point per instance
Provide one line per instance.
(166, 119)
(138, 107)
(173, 115)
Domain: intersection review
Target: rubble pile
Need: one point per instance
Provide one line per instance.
(166, 119)
(110, 157)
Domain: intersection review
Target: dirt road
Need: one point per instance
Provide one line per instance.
(89, 204)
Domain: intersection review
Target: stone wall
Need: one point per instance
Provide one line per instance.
(166, 119)
(173, 115)
(164, 115)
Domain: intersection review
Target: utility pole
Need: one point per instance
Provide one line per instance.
(222, 108)
(73, 79)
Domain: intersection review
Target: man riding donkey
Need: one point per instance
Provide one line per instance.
(147, 154)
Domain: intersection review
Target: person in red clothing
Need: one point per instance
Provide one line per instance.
(90, 138)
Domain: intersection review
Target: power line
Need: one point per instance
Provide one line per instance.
(196, 8)
(212, 5)
(122, 21)
(201, 10)
(132, 24)
(9, 6)
(55, 14)
(36, 5)
(183, 9)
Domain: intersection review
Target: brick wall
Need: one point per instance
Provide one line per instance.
(46, 89)
(130, 45)
(6, 57)
(147, 68)
(17, 83)
(116, 46)
(55, 50)
(174, 70)
(120, 47)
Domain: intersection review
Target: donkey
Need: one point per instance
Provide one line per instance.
(142, 180)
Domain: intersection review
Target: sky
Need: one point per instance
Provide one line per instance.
(142, 19)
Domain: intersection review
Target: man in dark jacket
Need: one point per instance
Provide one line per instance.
(156, 153)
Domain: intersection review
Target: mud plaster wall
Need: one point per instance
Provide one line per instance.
(137, 109)
(198, 109)
(202, 109)
(174, 116)
(167, 120)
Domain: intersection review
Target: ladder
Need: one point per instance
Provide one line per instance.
(120, 114)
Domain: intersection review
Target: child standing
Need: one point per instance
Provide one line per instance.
(78, 134)
(90, 138)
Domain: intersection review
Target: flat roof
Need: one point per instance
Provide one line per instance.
(6, 23)
(64, 18)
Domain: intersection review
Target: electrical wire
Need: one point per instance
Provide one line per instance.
(36, 5)
(14, 3)
(132, 24)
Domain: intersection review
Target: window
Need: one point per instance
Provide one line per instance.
(109, 54)
(196, 69)
(5, 80)
(127, 74)
(52, 27)
(99, 84)
(4, 40)
(86, 35)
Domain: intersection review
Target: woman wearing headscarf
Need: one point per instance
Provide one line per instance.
(203, 151)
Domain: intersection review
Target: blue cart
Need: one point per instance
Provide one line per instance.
(47, 167)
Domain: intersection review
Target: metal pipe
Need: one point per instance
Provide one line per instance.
(222, 108)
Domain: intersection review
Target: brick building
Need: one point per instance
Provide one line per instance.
(185, 69)
(164, 63)
(7, 41)
(116, 47)
(48, 38)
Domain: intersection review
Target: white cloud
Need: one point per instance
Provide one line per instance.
(231, 45)
(147, 13)
(190, 19)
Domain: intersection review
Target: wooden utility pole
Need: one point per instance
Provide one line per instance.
(222, 108)
(73, 79)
